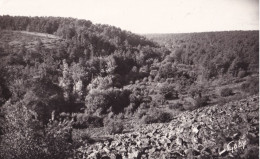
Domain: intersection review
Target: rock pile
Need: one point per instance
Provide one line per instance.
(228, 131)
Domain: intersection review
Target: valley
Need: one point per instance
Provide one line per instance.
(73, 89)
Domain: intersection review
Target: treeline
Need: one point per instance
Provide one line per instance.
(85, 36)
(215, 54)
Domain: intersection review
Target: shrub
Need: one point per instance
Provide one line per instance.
(241, 74)
(157, 117)
(86, 137)
(147, 119)
(102, 102)
(141, 113)
(251, 86)
(158, 99)
(224, 92)
(195, 91)
(86, 121)
(164, 117)
(201, 102)
(169, 91)
(80, 137)
(192, 104)
(114, 127)
(26, 137)
(176, 106)
(19, 139)
(129, 110)
(59, 139)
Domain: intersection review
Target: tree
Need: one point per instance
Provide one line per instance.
(97, 101)
(169, 91)
(167, 71)
(78, 74)
(101, 83)
(23, 134)
(39, 46)
(111, 65)
(66, 82)
(178, 55)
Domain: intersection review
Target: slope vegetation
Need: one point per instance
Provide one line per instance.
(78, 81)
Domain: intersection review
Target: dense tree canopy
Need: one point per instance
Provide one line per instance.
(64, 69)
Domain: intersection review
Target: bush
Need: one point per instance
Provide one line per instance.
(164, 117)
(251, 86)
(141, 113)
(177, 105)
(157, 117)
(192, 104)
(158, 99)
(59, 139)
(101, 102)
(201, 102)
(26, 137)
(242, 74)
(86, 121)
(97, 100)
(114, 127)
(129, 110)
(147, 119)
(224, 92)
(195, 91)
(169, 91)
(19, 139)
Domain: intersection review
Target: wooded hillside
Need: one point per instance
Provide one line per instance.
(71, 76)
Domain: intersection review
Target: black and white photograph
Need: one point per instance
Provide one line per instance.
(129, 79)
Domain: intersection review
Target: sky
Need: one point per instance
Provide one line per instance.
(147, 16)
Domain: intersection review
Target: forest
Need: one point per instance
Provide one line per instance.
(64, 79)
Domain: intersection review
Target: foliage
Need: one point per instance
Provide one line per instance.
(22, 134)
(157, 117)
(177, 106)
(92, 72)
(224, 92)
(169, 91)
(222, 53)
(201, 101)
(194, 103)
(86, 121)
(242, 74)
(195, 91)
(167, 70)
(25, 137)
(58, 138)
(101, 101)
(251, 85)
(114, 127)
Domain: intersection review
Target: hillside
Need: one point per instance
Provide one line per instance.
(214, 47)
(66, 81)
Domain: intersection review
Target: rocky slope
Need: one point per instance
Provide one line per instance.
(229, 131)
